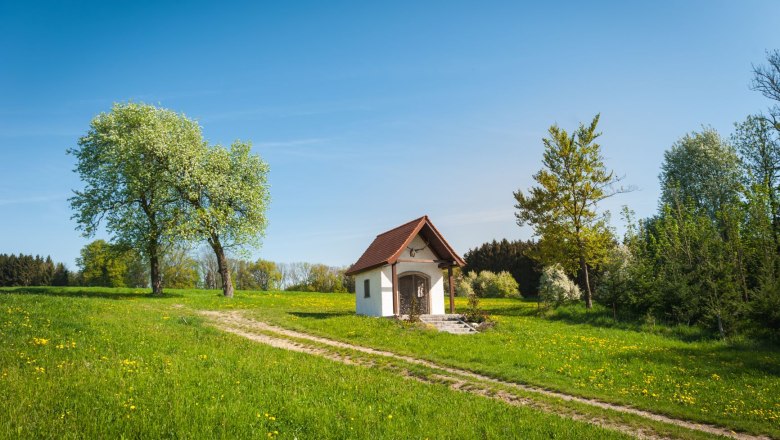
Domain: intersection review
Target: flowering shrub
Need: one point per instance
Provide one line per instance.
(556, 288)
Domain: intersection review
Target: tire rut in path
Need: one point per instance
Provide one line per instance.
(235, 323)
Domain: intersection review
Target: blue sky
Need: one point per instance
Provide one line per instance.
(371, 114)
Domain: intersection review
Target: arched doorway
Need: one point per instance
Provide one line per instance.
(414, 289)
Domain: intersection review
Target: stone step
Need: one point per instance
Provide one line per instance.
(459, 331)
(448, 323)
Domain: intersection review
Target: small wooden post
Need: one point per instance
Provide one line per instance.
(452, 290)
(395, 289)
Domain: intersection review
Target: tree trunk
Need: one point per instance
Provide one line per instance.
(222, 263)
(153, 248)
(586, 279)
(154, 272)
(742, 276)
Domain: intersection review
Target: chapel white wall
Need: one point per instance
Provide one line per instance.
(371, 306)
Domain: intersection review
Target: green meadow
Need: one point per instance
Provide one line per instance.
(672, 371)
(113, 364)
(96, 363)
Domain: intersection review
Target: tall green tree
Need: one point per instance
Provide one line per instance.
(124, 179)
(258, 275)
(758, 145)
(562, 208)
(223, 195)
(703, 169)
(102, 265)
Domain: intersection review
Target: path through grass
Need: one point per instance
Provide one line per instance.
(735, 386)
(98, 363)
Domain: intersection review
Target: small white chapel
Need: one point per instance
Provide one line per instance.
(402, 268)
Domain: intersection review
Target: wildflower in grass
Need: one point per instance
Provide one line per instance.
(203, 357)
(40, 341)
(684, 398)
(715, 377)
(40, 370)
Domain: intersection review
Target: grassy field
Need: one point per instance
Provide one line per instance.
(186, 379)
(98, 363)
(737, 386)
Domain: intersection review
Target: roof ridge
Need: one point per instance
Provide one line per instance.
(387, 246)
(417, 220)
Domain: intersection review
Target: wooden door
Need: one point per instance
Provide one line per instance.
(413, 290)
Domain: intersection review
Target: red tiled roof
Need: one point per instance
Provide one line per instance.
(388, 246)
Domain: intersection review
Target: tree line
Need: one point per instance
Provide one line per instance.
(29, 270)
(104, 264)
(710, 256)
(507, 256)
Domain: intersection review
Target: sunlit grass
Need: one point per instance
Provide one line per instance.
(658, 368)
(113, 363)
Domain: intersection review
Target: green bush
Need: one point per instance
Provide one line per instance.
(484, 283)
(504, 285)
(463, 287)
(487, 284)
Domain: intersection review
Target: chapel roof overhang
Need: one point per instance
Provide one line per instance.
(388, 246)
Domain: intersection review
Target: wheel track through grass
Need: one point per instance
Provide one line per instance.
(455, 378)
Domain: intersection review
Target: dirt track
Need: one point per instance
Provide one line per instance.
(457, 379)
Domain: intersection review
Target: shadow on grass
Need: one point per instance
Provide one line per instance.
(600, 317)
(321, 315)
(89, 292)
(726, 360)
(512, 311)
